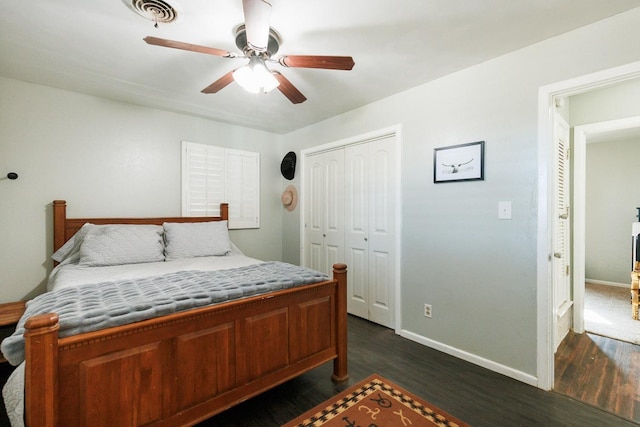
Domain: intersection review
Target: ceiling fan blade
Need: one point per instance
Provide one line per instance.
(257, 14)
(188, 46)
(316, 61)
(289, 90)
(219, 84)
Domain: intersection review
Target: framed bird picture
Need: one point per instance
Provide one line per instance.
(464, 162)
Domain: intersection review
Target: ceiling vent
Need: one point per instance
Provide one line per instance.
(157, 11)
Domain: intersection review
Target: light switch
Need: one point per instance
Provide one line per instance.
(504, 210)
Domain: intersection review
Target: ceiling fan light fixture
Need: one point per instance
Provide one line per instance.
(258, 43)
(255, 77)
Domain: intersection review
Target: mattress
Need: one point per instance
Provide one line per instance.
(73, 274)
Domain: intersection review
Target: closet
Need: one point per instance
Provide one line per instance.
(350, 217)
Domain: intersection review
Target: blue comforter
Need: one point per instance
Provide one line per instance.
(97, 306)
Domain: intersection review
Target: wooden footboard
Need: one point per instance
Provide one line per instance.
(183, 368)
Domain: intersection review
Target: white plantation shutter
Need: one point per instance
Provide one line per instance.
(243, 188)
(212, 175)
(202, 179)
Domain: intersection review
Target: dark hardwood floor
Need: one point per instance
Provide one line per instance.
(475, 395)
(600, 371)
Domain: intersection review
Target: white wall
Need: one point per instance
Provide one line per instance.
(105, 158)
(478, 272)
(611, 201)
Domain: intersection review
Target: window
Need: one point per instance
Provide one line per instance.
(211, 175)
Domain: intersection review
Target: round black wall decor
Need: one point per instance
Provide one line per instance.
(288, 165)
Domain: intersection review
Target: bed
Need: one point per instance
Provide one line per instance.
(182, 367)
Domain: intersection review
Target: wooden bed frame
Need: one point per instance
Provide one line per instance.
(182, 368)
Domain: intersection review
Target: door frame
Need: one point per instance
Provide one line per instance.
(581, 135)
(544, 298)
(395, 132)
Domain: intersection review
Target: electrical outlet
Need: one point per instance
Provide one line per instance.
(427, 310)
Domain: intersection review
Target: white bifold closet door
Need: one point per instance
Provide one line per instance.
(324, 211)
(350, 218)
(370, 229)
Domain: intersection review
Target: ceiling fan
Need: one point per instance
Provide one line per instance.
(259, 43)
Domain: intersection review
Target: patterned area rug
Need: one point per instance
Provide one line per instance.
(375, 402)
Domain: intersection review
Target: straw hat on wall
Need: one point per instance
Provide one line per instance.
(290, 198)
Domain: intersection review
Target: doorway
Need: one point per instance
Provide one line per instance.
(582, 135)
(545, 301)
(583, 357)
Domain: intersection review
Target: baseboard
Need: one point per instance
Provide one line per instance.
(604, 282)
(471, 358)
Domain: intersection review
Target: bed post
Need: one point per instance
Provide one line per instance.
(59, 218)
(224, 211)
(340, 373)
(41, 370)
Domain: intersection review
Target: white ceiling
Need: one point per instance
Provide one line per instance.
(96, 47)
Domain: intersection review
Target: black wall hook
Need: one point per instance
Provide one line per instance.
(10, 175)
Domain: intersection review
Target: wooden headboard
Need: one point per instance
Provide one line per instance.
(64, 228)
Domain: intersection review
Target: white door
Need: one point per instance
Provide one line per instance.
(562, 232)
(333, 209)
(313, 212)
(370, 229)
(324, 210)
(357, 229)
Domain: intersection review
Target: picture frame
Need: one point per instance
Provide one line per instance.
(463, 162)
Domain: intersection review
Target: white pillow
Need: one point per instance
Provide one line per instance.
(116, 244)
(194, 239)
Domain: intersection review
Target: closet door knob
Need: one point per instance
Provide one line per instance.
(557, 255)
(366, 240)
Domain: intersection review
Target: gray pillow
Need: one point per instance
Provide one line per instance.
(116, 244)
(195, 239)
(71, 248)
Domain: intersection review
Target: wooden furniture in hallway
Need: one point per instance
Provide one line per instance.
(635, 289)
